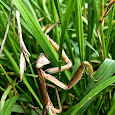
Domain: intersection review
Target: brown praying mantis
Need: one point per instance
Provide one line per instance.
(42, 75)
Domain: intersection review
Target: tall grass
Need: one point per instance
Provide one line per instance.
(77, 34)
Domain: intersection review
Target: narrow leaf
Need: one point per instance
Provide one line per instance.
(7, 109)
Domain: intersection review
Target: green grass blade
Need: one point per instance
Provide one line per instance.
(30, 8)
(71, 54)
(106, 70)
(111, 15)
(16, 84)
(96, 12)
(90, 46)
(58, 7)
(79, 28)
(90, 95)
(94, 92)
(55, 18)
(7, 109)
(69, 10)
(90, 28)
(4, 96)
(112, 110)
(101, 31)
(32, 91)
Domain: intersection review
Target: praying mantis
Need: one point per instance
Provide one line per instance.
(42, 75)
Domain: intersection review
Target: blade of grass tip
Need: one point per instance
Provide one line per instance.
(90, 46)
(91, 94)
(76, 48)
(58, 7)
(45, 9)
(96, 12)
(2, 89)
(79, 28)
(55, 18)
(69, 10)
(4, 96)
(37, 32)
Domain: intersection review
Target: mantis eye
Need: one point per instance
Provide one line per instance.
(41, 61)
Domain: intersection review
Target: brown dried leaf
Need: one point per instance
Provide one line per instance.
(22, 65)
(3, 42)
(22, 45)
(100, 41)
(110, 5)
(41, 61)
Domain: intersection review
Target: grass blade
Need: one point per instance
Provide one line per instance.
(7, 109)
(4, 96)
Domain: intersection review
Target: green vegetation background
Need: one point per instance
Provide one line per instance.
(77, 34)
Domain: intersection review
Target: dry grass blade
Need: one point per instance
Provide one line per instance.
(3, 42)
(22, 45)
(100, 41)
(110, 5)
(51, 27)
(22, 65)
(41, 61)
